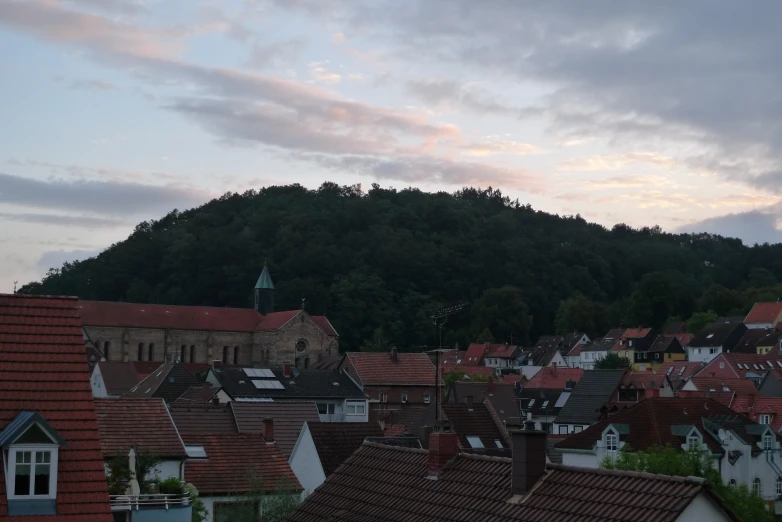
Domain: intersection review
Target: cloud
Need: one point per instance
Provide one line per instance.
(262, 55)
(604, 162)
(445, 91)
(64, 220)
(626, 181)
(93, 85)
(322, 75)
(492, 147)
(755, 226)
(101, 197)
(120, 7)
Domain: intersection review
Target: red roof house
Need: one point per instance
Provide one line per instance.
(763, 410)
(475, 354)
(47, 399)
(764, 315)
(741, 365)
(553, 378)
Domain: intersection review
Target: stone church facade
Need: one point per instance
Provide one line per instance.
(258, 337)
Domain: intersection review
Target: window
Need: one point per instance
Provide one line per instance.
(563, 430)
(722, 365)
(697, 351)
(498, 443)
(577, 429)
(657, 356)
(732, 483)
(757, 487)
(779, 487)
(611, 442)
(106, 346)
(475, 442)
(355, 408)
(426, 398)
(325, 408)
(236, 355)
(712, 350)
(140, 354)
(404, 397)
(627, 355)
(765, 418)
(301, 345)
(182, 353)
(151, 354)
(225, 354)
(768, 442)
(693, 442)
(33, 475)
(531, 403)
(383, 397)
(192, 353)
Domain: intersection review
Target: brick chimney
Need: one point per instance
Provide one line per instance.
(443, 446)
(528, 448)
(286, 370)
(554, 369)
(394, 356)
(268, 431)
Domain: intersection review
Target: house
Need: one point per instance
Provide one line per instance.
(770, 343)
(587, 400)
(714, 339)
(554, 378)
(392, 379)
(47, 416)
(168, 382)
(200, 394)
(443, 484)
(113, 379)
(677, 373)
(258, 336)
(288, 416)
(541, 406)
(322, 447)
(410, 420)
(475, 354)
(478, 428)
(145, 425)
(502, 397)
(548, 351)
(338, 397)
(771, 383)
(742, 365)
(764, 315)
(594, 351)
(637, 386)
(762, 410)
(743, 451)
(455, 361)
(230, 469)
(663, 349)
(634, 344)
(749, 341)
(725, 391)
(502, 357)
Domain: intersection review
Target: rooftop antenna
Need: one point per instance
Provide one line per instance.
(15, 287)
(439, 317)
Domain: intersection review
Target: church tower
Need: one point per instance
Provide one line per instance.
(264, 293)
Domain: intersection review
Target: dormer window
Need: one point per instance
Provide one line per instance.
(693, 442)
(768, 442)
(765, 418)
(612, 442)
(30, 455)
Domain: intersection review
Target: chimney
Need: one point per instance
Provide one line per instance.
(468, 401)
(286, 370)
(554, 369)
(393, 354)
(443, 446)
(528, 449)
(217, 364)
(268, 431)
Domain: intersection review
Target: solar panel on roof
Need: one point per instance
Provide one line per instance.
(266, 373)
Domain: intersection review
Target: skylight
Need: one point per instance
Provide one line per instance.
(268, 385)
(709, 336)
(682, 370)
(498, 443)
(770, 365)
(545, 403)
(669, 371)
(475, 442)
(531, 403)
(258, 373)
(779, 363)
(195, 452)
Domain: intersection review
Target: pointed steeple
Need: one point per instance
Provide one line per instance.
(265, 281)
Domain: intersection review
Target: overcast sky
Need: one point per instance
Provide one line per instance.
(116, 111)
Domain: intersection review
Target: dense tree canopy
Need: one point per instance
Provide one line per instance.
(383, 258)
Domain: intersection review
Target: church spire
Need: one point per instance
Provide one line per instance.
(264, 292)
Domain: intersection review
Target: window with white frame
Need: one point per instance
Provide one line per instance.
(732, 483)
(697, 351)
(355, 408)
(383, 397)
(404, 397)
(427, 398)
(325, 408)
(779, 486)
(563, 430)
(693, 442)
(578, 429)
(757, 486)
(712, 350)
(31, 462)
(612, 442)
(765, 418)
(768, 442)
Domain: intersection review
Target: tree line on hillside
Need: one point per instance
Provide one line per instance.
(377, 261)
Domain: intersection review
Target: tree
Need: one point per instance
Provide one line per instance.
(485, 337)
(613, 361)
(666, 460)
(722, 300)
(659, 296)
(378, 343)
(699, 320)
(576, 314)
(504, 313)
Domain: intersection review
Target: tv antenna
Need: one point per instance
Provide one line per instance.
(439, 317)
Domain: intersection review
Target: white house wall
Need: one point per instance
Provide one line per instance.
(98, 386)
(169, 468)
(581, 460)
(305, 462)
(701, 354)
(703, 508)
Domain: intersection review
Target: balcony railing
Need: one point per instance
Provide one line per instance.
(332, 417)
(147, 501)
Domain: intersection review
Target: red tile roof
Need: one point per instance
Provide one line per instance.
(644, 380)
(764, 313)
(683, 338)
(472, 371)
(107, 313)
(754, 407)
(196, 422)
(636, 333)
(554, 379)
(512, 378)
(744, 363)
(276, 320)
(43, 368)
(388, 483)
(504, 351)
(235, 462)
(576, 350)
(475, 354)
(413, 369)
(675, 368)
(739, 386)
(140, 422)
(452, 358)
(325, 325)
(288, 417)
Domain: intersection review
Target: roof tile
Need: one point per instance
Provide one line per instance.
(413, 369)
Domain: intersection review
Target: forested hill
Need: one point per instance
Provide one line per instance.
(375, 262)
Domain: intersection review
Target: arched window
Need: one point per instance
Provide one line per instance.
(192, 353)
(301, 345)
(612, 441)
(151, 352)
(267, 356)
(182, 353)
(236, 355)
(106, 346)
(140, 352)
(757, 487)
(225, 355)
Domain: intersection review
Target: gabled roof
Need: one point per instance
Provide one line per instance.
(288, 417)
(412, 369)
(664, 344)
(650, 422)
(44, 370)
(264, 280)
(554, 378)
(475, 354)
(276, 320)
(715, 384)
(636, 333)
(388, 483)
(749, 341)
(754, 406)
(237, 464)
(476, 421)
(470, 371)
(716, 334)
(302, 384)
(118, 377)
(501, 396)
(569, 340)
(408, 418)
(772, 339)
(746, 364)
(599, 345)
(540, 401)
(593, 391)
(143, 423)
(199, 394)
(325, 325)
(336, 441)
(24, 421)
(675, 328)
(673, 369)
(502, 351)
(196, 422)
(764, 313)
(648, 380)
(169, 381)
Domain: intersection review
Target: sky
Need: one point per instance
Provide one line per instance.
(646, 113)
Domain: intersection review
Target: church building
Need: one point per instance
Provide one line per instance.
(258, 337)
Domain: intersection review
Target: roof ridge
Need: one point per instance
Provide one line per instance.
(397, 448)
(700, 481)
(485, 458)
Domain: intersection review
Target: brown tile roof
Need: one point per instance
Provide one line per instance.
(415, 369)
(476, 421)
(503, 351)
(502, 397)
(412, 417)
(389, 484)
(475, 354)
(143, 423)
(754, 407)
(169, 381)
(739, 386)
(118, 377)
(325, 325)
(195, 422)
(764, 313)
(336, 441)
(276, 320)
(554, 378)
(237, 464)
(288, 417)
(43, 369)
